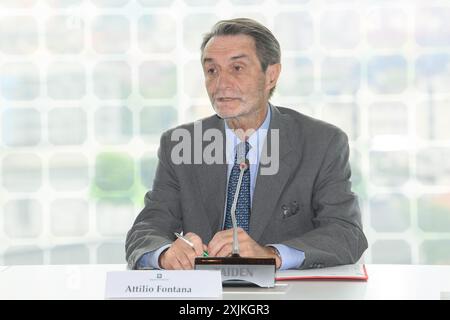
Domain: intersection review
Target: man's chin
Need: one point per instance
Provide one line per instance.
(226, 112)
(225, 116)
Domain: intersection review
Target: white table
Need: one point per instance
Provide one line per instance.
(88, 282)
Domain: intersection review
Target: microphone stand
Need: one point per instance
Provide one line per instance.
(242, 168)
(237, 270)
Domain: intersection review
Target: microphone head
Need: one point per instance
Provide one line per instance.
(241, 157)
(244, 165)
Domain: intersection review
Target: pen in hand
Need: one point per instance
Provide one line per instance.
(179, 236)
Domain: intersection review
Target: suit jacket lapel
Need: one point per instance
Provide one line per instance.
(268, 188)
(212, 179)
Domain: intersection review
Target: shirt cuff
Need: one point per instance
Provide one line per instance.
(290, 258)
(151, 258)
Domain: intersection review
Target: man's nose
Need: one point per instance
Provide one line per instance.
(224, 81)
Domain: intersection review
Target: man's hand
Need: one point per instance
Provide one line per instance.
(180, 255)
(221, 245)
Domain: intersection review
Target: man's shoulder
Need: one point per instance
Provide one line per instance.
(210, 122)
(307, 124)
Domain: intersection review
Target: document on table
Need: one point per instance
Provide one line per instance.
(345, 272)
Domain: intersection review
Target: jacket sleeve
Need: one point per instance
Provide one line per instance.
(337, 237)
(161, 216)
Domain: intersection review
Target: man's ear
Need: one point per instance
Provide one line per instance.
(272, 74)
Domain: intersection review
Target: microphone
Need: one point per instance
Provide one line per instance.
(237, 270)
(243, 166)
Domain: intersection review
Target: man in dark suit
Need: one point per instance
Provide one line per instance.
(296, 205)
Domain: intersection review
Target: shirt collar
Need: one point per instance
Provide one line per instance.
(256, 140)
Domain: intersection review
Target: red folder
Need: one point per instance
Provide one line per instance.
(345, 273)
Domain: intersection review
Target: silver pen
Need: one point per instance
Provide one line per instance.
(179, 236)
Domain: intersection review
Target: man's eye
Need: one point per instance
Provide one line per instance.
(237, 68)
(211, 71)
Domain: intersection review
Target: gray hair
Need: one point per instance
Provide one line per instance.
(267, 46)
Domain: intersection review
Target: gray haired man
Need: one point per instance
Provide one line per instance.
(304, 214)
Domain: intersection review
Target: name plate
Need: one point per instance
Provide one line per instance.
(163, 284)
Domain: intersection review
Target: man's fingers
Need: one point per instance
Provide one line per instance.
(169, 260)
(225, 251)
(221, 245)
(199, 246)
(197, 242)
(187, 249)
(179, 256)
(174, 264)
(190, 256)
(219, 240)
(184, 262)
(223, 242)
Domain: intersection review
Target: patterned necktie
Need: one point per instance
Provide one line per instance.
(243, 202)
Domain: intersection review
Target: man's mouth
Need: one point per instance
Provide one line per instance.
(226, 99)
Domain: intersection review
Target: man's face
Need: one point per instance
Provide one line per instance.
(236, 84)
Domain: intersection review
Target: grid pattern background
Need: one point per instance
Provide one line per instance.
(87, 87)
